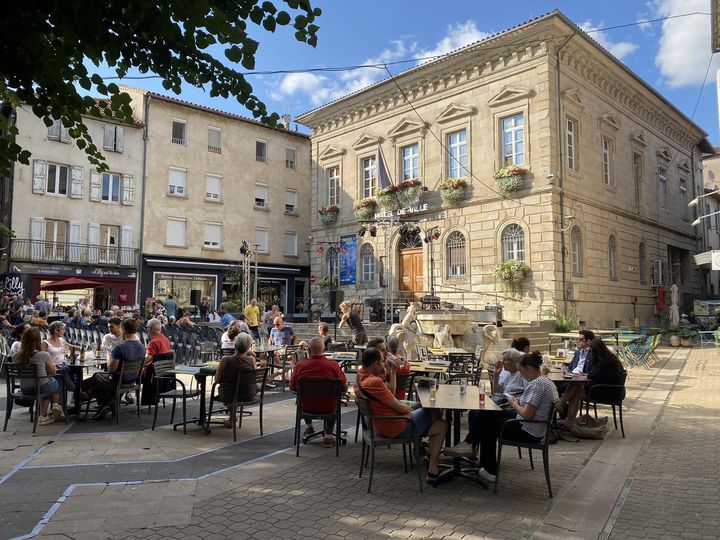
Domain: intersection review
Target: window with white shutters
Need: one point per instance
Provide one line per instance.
(55, 238)
(215, 140)
(291, 244)
(58, 132)
(176, 232)
(39, 183)
(95, 186)
(261, 240)
(213, 235)
(93, 248)
(113, 138)
(177, 186)
(289, 158)
(110, 192)
(37, 238)
(128, 196)
(109, 244)
(213, 188)
(74, 247)
(127, 254)
(291, 206)
(57, 179)
(76, 184)
(261, 196)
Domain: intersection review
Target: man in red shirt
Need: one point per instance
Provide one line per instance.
(158, 348)
(318, 367)
(382, 402)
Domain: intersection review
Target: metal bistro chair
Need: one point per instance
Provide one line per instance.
(542, 445)
(14, 374)
(402, 382)
(161, 368)
(314, 388)
(244, 377)
(370, 440)
(128, 367)
(608, 394)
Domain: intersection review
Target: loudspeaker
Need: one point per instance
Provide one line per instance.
(195, 297)
(299, 317)
(336, 298)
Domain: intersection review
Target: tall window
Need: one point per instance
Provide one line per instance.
(513, 137)
(261, 196)
(57, 179)
(576, 248)
(642, 263)
(369, 176)
(411, 162)
(261, 240)
(513, 243)
(55, 236)
(457, 154)
(213, 188)
(177, 184)
(662, 186)
(178, 134)
(176, 232)
(111, 188)
(456, 255)
(638, 177)
(367, 263)
(109, 240)
(261, 151)
(213, 236)
(113, 138)
(291, 244)
(333, 186)
(607, 161)
(291, 203)
(331, 262)
(571, 139)
(289, 158)
(612, 258)
(214, 140)
(683, 199)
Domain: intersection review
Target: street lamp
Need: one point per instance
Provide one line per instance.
(696, 200)
(700, 218)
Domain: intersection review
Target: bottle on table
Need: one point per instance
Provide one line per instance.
(481, 391)
(82, 353)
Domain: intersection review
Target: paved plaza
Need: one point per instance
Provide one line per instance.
(99, 480)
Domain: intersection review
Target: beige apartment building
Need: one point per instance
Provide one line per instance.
(601, 219)
(213, 180)
(709, 205)
(71, 221)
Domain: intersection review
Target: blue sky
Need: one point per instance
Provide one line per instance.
(672, 56)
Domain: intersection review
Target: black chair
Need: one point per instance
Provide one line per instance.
(245, 377)
(315, 388)
(129, 367)
(542, 445)
(161, 368)
(15, 373)
(608, 394)
(260, 381)
(370, 440)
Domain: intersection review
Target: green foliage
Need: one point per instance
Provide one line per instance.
(686, 333)
(564, 322)
(327, 282)
(6, 232)
(512, 273)
(54, 41)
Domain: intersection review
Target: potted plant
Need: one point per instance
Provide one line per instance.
(387, 197)
(686, 336)
(453, 190)
(328, 214)
(564, 322)
(327, 282)
(365, 208)
(512, 273)
(510, 178)
(409, 192)
(674, 338)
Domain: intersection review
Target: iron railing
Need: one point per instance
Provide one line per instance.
(65, 252)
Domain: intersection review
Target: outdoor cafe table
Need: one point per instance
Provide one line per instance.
(576, 335)
(345, 358)
(76, 372)
(453, 402)
(201, 378)
(558, 378)
(427, 367)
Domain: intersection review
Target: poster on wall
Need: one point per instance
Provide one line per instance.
(348, 246)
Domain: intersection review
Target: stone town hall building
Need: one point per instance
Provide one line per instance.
(601, 220)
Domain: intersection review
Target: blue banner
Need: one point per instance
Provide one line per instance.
(348, 251)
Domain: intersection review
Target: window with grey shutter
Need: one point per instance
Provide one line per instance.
(95, 186)
(113, 138)
(54, 130)
(39, 176)
(76, 184)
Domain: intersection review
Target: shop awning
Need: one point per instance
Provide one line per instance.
(71, 283)
(709, 257)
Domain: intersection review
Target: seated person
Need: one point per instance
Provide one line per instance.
(30, 353)
(40, 319)
(228, 372)
(382, 402)
(5, 318)
(157, 348)
(185, 321)
(507, 377)
(535, 404)
(522, 344)
(578, 365)
(324, 332)
(242, 325)
(281, 336)
(604, 368)
(318, 367)
(102, 386)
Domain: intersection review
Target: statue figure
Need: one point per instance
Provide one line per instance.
(443, 338)
(406, 331)
(491, 336)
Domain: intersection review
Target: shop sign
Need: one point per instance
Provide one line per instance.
(13, 284)
(414, 209)
(185, 277)
(65, 270)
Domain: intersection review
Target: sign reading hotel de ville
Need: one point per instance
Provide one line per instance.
(403, 211)
(348, 250)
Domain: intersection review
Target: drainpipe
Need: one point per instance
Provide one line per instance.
(146, 136)
(561, 169)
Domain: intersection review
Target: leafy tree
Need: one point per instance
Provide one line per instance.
(46, 45)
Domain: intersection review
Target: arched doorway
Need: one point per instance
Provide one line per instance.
(411, 271)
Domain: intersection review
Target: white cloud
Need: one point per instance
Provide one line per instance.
(684, 47)
(619, 49)
(458, 35)
(315, 86)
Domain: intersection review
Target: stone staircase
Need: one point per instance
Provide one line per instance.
(537, 332)
(305, 331)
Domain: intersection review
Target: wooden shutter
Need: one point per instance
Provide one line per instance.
(54, 130)
(93, 242)
(76, 184)
(74, 248)
(64, 135)
(39, 176)
(95, 186)
(37, 237)
(128, 189)
(119, 139)
(109, 137)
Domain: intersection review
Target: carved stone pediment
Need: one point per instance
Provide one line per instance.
(684, 166)
(664, 154)
(331, 152)
(509, 94)
(454, 111)
(639, 137)
(573, 96)
(366, 140)
(610, 120)
(406, 126)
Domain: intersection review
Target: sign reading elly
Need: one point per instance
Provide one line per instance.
(348, 250)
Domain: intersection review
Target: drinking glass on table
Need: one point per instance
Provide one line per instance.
(481, 391)
(433, 390)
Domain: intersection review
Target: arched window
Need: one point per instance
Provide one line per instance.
(642, 262)
(612, 258)
(513, 243)
(367, 263)
(411, 239)
(576, 249)
(331, 262)
(456, 255)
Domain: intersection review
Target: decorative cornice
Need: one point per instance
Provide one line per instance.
(684, 165)
(331, 152)
(510, 93)
(573, 96)
(611, 120)
(664, 154)
(366, 140)
(639, 137)
(454, 111)
(407, 126)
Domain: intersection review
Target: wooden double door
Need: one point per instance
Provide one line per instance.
(412, 274)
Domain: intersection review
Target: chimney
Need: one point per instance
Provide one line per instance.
(286, 121)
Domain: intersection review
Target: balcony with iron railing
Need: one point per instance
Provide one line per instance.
(68, 253)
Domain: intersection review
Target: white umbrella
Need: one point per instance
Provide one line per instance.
(674, 308)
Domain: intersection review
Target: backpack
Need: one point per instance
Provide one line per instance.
(589, 427)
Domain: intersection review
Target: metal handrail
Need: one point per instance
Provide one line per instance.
(66, 252)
